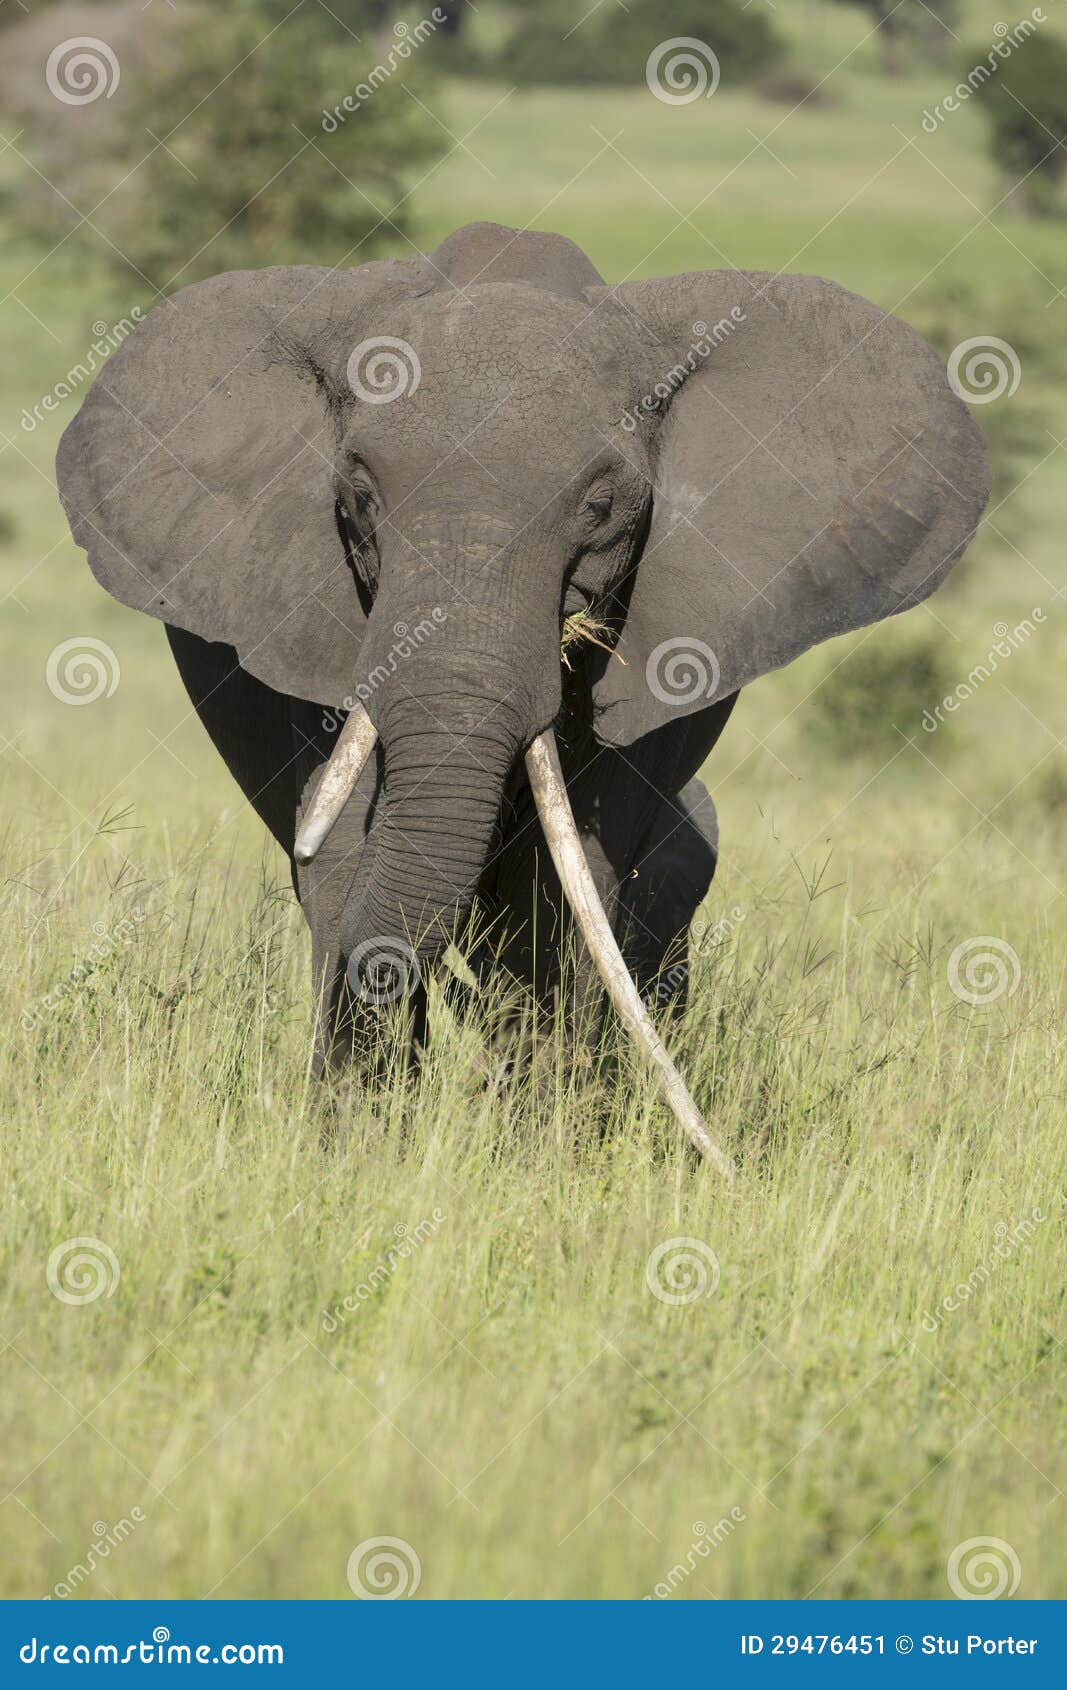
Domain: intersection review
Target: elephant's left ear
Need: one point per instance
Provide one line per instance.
(814, 473)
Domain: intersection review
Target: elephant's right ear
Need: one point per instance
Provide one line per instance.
(199, 473)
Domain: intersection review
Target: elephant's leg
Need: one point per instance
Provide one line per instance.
(585, 1001)
(671, 874)
(535, 938)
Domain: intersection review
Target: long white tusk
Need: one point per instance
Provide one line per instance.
(355, 743)
(557, 819)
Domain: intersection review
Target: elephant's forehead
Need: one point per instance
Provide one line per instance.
(500, 368)
(494, 341)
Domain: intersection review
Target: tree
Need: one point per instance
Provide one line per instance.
(226, 141)
(554, 44)
(1024, 99)
(897, 21)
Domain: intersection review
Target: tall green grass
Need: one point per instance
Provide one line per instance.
(509, 1396)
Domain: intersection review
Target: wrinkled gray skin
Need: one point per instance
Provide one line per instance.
(737, 464)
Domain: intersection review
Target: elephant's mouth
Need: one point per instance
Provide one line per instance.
(354, 746)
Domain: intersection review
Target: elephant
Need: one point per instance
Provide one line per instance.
(468, 554)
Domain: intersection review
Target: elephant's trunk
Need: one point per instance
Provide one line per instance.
(451, 730)
(459, 670)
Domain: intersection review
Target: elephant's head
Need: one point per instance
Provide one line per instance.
(392, 484)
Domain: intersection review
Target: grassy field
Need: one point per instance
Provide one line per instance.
(503, 1390)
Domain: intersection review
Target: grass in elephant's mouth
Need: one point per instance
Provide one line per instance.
(486, 1277)
(583, 625)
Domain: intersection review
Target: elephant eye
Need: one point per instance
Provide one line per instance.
(364, 500)
(598, 504)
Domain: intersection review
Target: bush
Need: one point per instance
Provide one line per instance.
(612, 46)
(1048, 789)
(924, 26)
(791, 86)
(1016, 428)
(865, 704)
(1025, 103)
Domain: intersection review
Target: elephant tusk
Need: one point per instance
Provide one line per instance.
(557, 820)
(355, 743)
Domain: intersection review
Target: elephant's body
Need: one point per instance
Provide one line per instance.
(647, 823)
(395, 496)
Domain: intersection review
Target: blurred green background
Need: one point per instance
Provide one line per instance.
(886, 1126)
